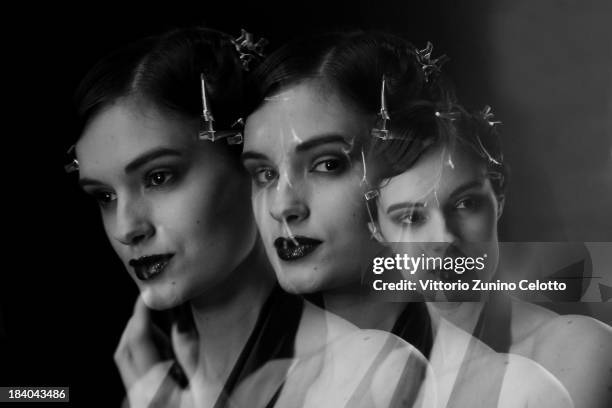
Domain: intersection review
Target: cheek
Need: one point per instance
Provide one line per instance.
(259, 200)
(481, 226)
(339, 200)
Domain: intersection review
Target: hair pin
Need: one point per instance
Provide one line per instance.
(487, 114)
(381, 130)
(248, 49)
(430, 65)
(74, 163)
(370, 195)
(207, 129)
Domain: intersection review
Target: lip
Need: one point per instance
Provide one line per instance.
(149, 266)
(292, 249)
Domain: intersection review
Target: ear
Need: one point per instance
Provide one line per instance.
(501, 201)
(375, 232)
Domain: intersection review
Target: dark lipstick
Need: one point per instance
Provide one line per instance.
(291, 249)
(147, 267)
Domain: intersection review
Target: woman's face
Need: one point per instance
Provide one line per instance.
(301, 151)
(175, 209)
(443, 206)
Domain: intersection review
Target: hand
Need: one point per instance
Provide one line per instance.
(149, 376)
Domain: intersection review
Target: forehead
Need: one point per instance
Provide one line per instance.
(440, 171)
(126, 129)
(300, 113)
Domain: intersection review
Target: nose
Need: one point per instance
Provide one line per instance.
(289, 204)
(132, 223)
(440, 232)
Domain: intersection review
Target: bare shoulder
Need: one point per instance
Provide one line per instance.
(528, 381)
(543, 327)
(581, 336)
(576, 349)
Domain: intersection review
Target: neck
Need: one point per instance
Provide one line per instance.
(363, 307)
(225, 318)
(464, 315)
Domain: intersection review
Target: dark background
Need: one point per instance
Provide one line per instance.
(546, 69)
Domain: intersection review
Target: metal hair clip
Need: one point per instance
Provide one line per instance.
(381, 131)
(248, 49)
(487, 114)
(207, 130)
(429, 65)
(370, 195)
(74, 164)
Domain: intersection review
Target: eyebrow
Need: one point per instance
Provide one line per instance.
(151, 155)
(321, 140)
(304, 146)
(138, 162)
(468, 186)
(404, 205)
(460, 190)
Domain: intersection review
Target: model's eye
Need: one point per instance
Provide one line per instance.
(104, 198)
(159, 178)
(264, 175)
(328, 165)
(410, 217)
(468, 203)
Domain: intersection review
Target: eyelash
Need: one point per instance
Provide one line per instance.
(105, 198)
(148, 180)
(470, 203)
(266, 174)
(261, 175)
(342, 164)
(407, 218)
(415, 217)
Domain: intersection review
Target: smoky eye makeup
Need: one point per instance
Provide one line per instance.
(104, 197)
(260, 170)
(163, 173)
(333, 158)
(333, 163)
(409, 216)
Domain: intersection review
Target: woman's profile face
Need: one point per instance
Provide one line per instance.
(301, 152)
(175, 209)
(443, 206)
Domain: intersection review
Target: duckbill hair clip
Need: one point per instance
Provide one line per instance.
(248, 49)
(381, 130)
(430, 65)
(207, 128)
(487, 114)
(73, 166)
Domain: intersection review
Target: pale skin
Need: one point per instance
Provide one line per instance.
(307, 182)
(572, 348)
(299, 150)
(162, 191)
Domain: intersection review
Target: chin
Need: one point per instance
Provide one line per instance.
(300, 280)
(161, 298)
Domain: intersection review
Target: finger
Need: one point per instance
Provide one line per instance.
(137, 352)
(185, 341)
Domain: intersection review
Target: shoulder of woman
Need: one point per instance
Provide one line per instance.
(527, 380)
(571, 337)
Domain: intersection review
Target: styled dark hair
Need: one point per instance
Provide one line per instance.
(165, 70)
(420, 125)
(351, 64)
(422, 107)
